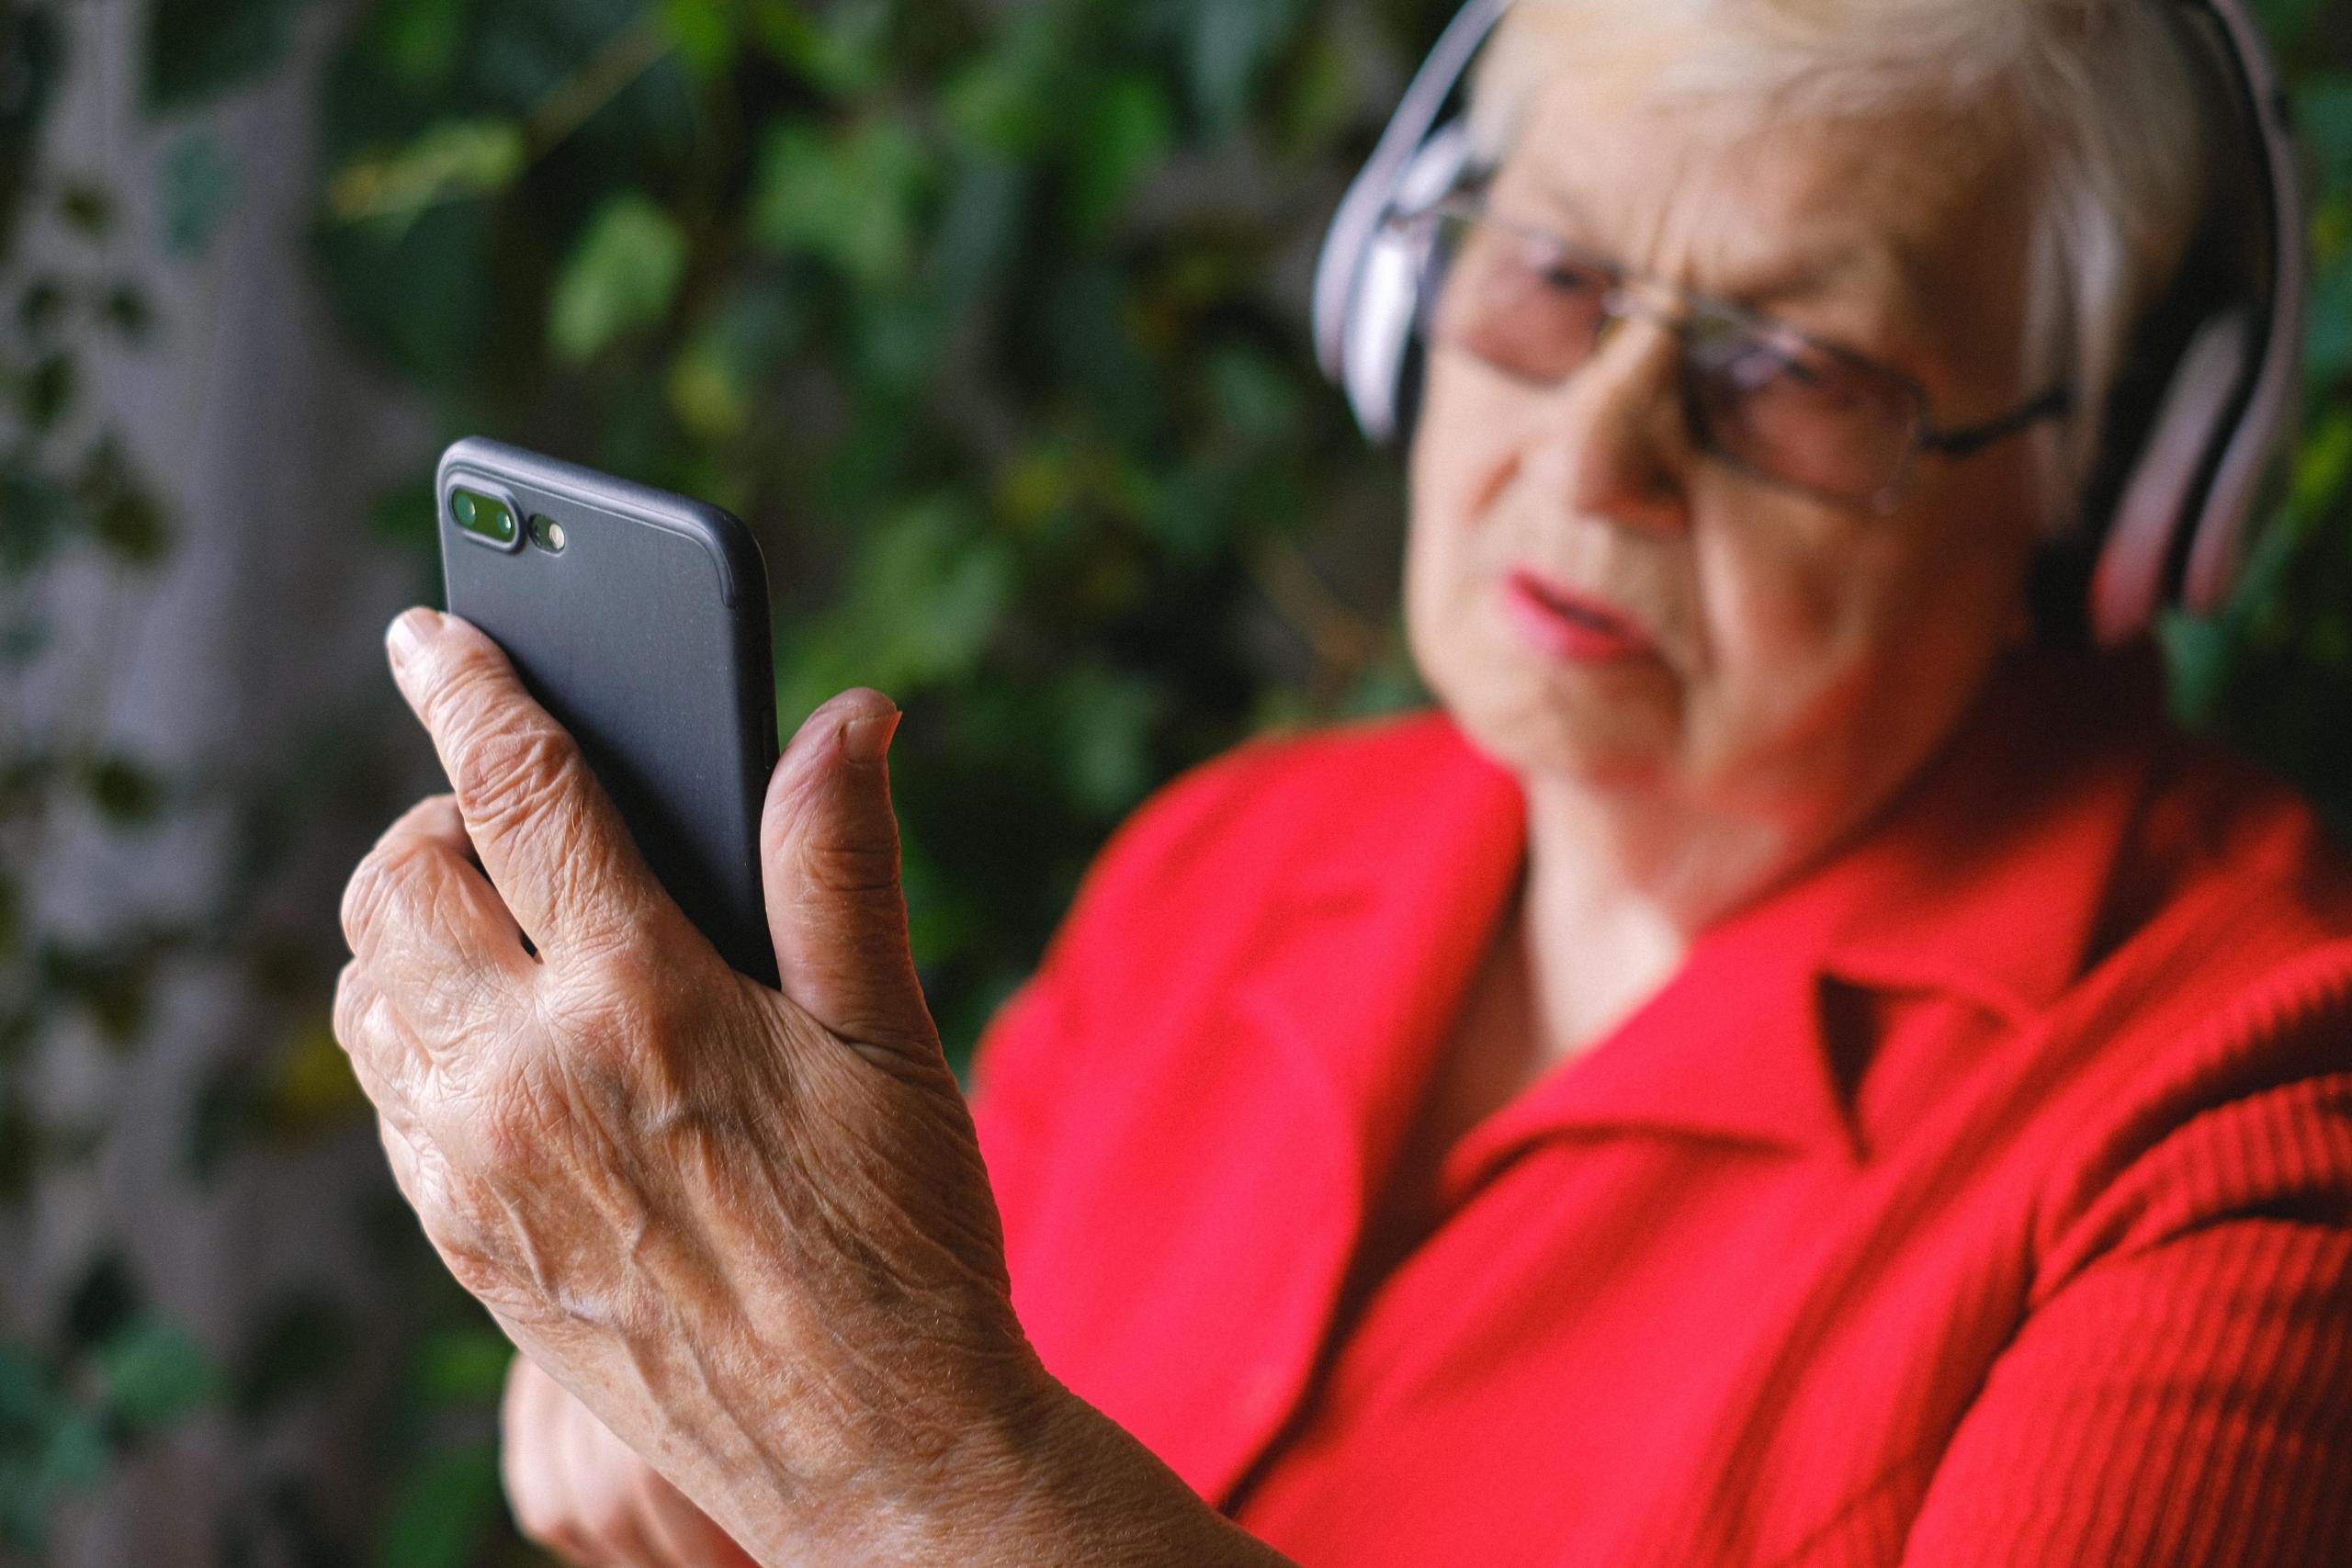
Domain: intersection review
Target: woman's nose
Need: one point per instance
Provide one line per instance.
(1613, 445)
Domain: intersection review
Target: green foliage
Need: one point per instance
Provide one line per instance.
(2275, 669)
(622, 274)
(111, 1376)
(990, 318)
(1017, 403)
(441, 1509)
(197, 47)
(451, 160)
(112, 1373)
(198, 189)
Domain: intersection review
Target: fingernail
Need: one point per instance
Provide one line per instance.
(410, 629)
(867, 739)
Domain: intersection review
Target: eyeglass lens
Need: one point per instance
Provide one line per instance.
(1770, 401)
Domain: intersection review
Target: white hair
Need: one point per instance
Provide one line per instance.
(2103, 93)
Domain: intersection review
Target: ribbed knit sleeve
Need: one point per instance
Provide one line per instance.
(2181, 1392)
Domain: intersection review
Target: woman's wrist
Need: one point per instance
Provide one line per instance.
(1044, 1480)
(1066, 1485)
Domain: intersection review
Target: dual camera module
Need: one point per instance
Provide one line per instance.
(498, 523)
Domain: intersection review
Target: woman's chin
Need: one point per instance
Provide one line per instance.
(1611, 734)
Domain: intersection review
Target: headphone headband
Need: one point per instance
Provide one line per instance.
(2268, 418)
(2178, 533)
(1371, 195)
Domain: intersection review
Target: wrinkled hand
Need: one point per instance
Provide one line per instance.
(748, 1230)
(586, 1495)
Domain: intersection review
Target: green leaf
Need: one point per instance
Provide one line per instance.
(1106, 719)
(47, 390)
(24, 1393)
(418, 40)
(441, 1509)
(125, 309)
(73, 1454)
(26, 636)
(1003, 102)
(154, 1374)
(35, 507)
(842, 55)
(847, 198)
(454, 159)
(103, 1302)
(19, 1149)
(930, 592)
(424, 295)
(1256, 399)
(197, 49)
(311, 1086)
(199, 188)
(461, 1367)
(126, 794)
(224, 1116)
(1232, 43)
(298, 1346)
(2287, 20)
(707, 390)
(113, 984)
(622, 274)
(713, 383)
(131, 527)
(86, 209)
(403, 517)
(1319, 99)
(1130, 130)
(43, 305)
(2323, 114)
(2327, 342)
(978, 232)
(703, 32)
(125, 519)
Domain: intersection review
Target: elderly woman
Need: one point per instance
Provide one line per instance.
(1792, 1064)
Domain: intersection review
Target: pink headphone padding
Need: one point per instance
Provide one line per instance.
(2129, 582)
(2266, 423)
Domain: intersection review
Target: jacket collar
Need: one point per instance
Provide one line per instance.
(1981, 882)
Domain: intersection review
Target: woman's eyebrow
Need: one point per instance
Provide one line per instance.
(1819, 272)
(1764, 283)
(1761, 282)
(1541, 201)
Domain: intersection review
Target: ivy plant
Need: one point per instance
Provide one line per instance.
(86, 1379)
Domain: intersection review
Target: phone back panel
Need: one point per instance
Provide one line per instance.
(646, 636)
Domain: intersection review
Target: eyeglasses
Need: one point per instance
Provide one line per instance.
(1757, 393)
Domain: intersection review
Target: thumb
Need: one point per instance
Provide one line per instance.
(829, 847)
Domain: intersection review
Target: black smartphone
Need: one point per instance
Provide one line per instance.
(640, 619)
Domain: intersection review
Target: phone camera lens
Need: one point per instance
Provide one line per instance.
(486, 517)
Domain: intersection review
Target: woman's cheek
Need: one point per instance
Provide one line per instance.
(1778, 634)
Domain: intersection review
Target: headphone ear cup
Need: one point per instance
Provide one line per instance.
(1384, 307)
(2163, 503)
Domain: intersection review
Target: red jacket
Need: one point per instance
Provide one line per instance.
(1984, 1197)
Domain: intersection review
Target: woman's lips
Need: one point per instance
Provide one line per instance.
(1568, 625)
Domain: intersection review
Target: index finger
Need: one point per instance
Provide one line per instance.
(548, 836)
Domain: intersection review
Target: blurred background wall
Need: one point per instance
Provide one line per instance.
(988, 314)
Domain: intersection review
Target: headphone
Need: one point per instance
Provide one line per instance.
(2176, 532)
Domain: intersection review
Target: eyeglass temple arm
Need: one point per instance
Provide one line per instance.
(1961, 443)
